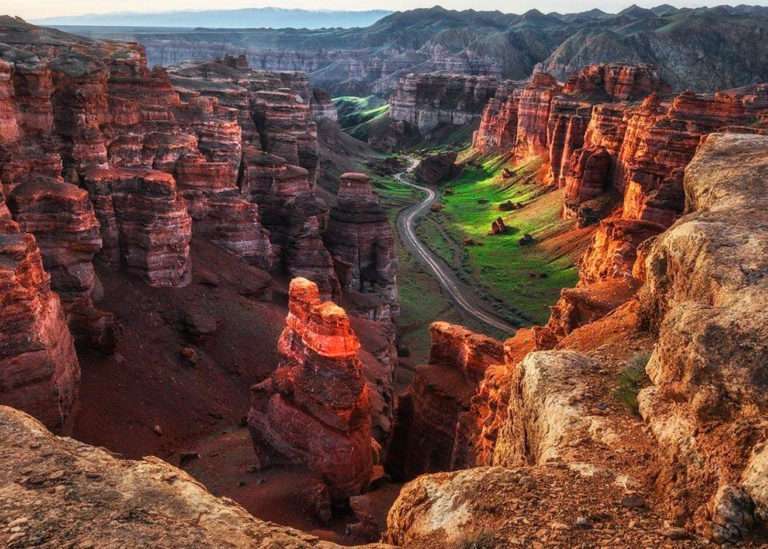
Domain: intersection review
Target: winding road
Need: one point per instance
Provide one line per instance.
(406, 227)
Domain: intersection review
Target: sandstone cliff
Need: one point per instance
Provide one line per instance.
(314, 409)
(428, 100)
(363, 248)
(692, 461)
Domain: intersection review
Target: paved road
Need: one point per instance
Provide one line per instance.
(405, 225)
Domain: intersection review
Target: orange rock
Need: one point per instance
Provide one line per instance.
(314, 409)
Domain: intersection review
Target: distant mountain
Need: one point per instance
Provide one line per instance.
(255, 18)
(701, 48)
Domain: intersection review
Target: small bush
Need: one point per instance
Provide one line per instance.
(631, 379)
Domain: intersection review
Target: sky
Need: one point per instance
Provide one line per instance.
(31, 9)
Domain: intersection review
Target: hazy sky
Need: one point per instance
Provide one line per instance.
(30, 9)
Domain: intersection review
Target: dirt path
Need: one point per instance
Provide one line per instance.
(406, 221)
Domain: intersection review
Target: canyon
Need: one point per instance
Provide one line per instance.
(704, 49)
(186, 273)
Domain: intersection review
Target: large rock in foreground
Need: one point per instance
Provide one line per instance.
(546, 506)
(706, 294)
(314, 409)
(59, 492)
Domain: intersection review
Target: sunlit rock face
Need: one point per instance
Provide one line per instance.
(428, 100)
(433, 430)
(533, 115)
(314, 410)
(498, 124)
(705, 298)
(616, 82)
(39, 370)
(362, 245)
(61, 217)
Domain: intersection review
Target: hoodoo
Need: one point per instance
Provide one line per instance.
(362, 245)
(314, 410)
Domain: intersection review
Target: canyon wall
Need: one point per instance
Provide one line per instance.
(428, 100)
(103, 159)
(690, 454)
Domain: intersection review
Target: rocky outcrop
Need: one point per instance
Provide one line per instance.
(69, 493)
(498, 124)
(145, 226)
(61, 217)
(286, 127)
(705, 296)
(533, 115)
(313, 410)
(616, 82)
(429, 100)
(567, 123)
(504, 507)
(657, 147)
(433, 430)
(437, 168)
(362, 245)
(39, 370)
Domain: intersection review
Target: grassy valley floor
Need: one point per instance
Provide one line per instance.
(514, 278)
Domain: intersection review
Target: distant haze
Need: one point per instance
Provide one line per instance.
(37, 10)
(237, 18)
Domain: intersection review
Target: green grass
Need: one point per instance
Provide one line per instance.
(631, 379)
(422, 299)
(358, 114)
(526, 278)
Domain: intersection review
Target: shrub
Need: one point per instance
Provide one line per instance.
(631, 379)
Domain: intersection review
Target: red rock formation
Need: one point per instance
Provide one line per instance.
(39, 371)
(426, 101)
(616, 82)
(294, 215)
(233, 223)
(314, 409)
(567, 124)
(533, 115)
(498, 125)
(432, 430)
(362, 245)
(9, 128)
(658, 146)
(437, 168)
(285, 123)
(613, 250)
(61, 217)
(144, 223)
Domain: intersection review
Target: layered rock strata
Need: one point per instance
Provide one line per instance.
(428, 100)
(314, 410)
(498, 125)
(432, 429)
(362, 245)
(39, 370)
(61, 217)
(145, 226)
